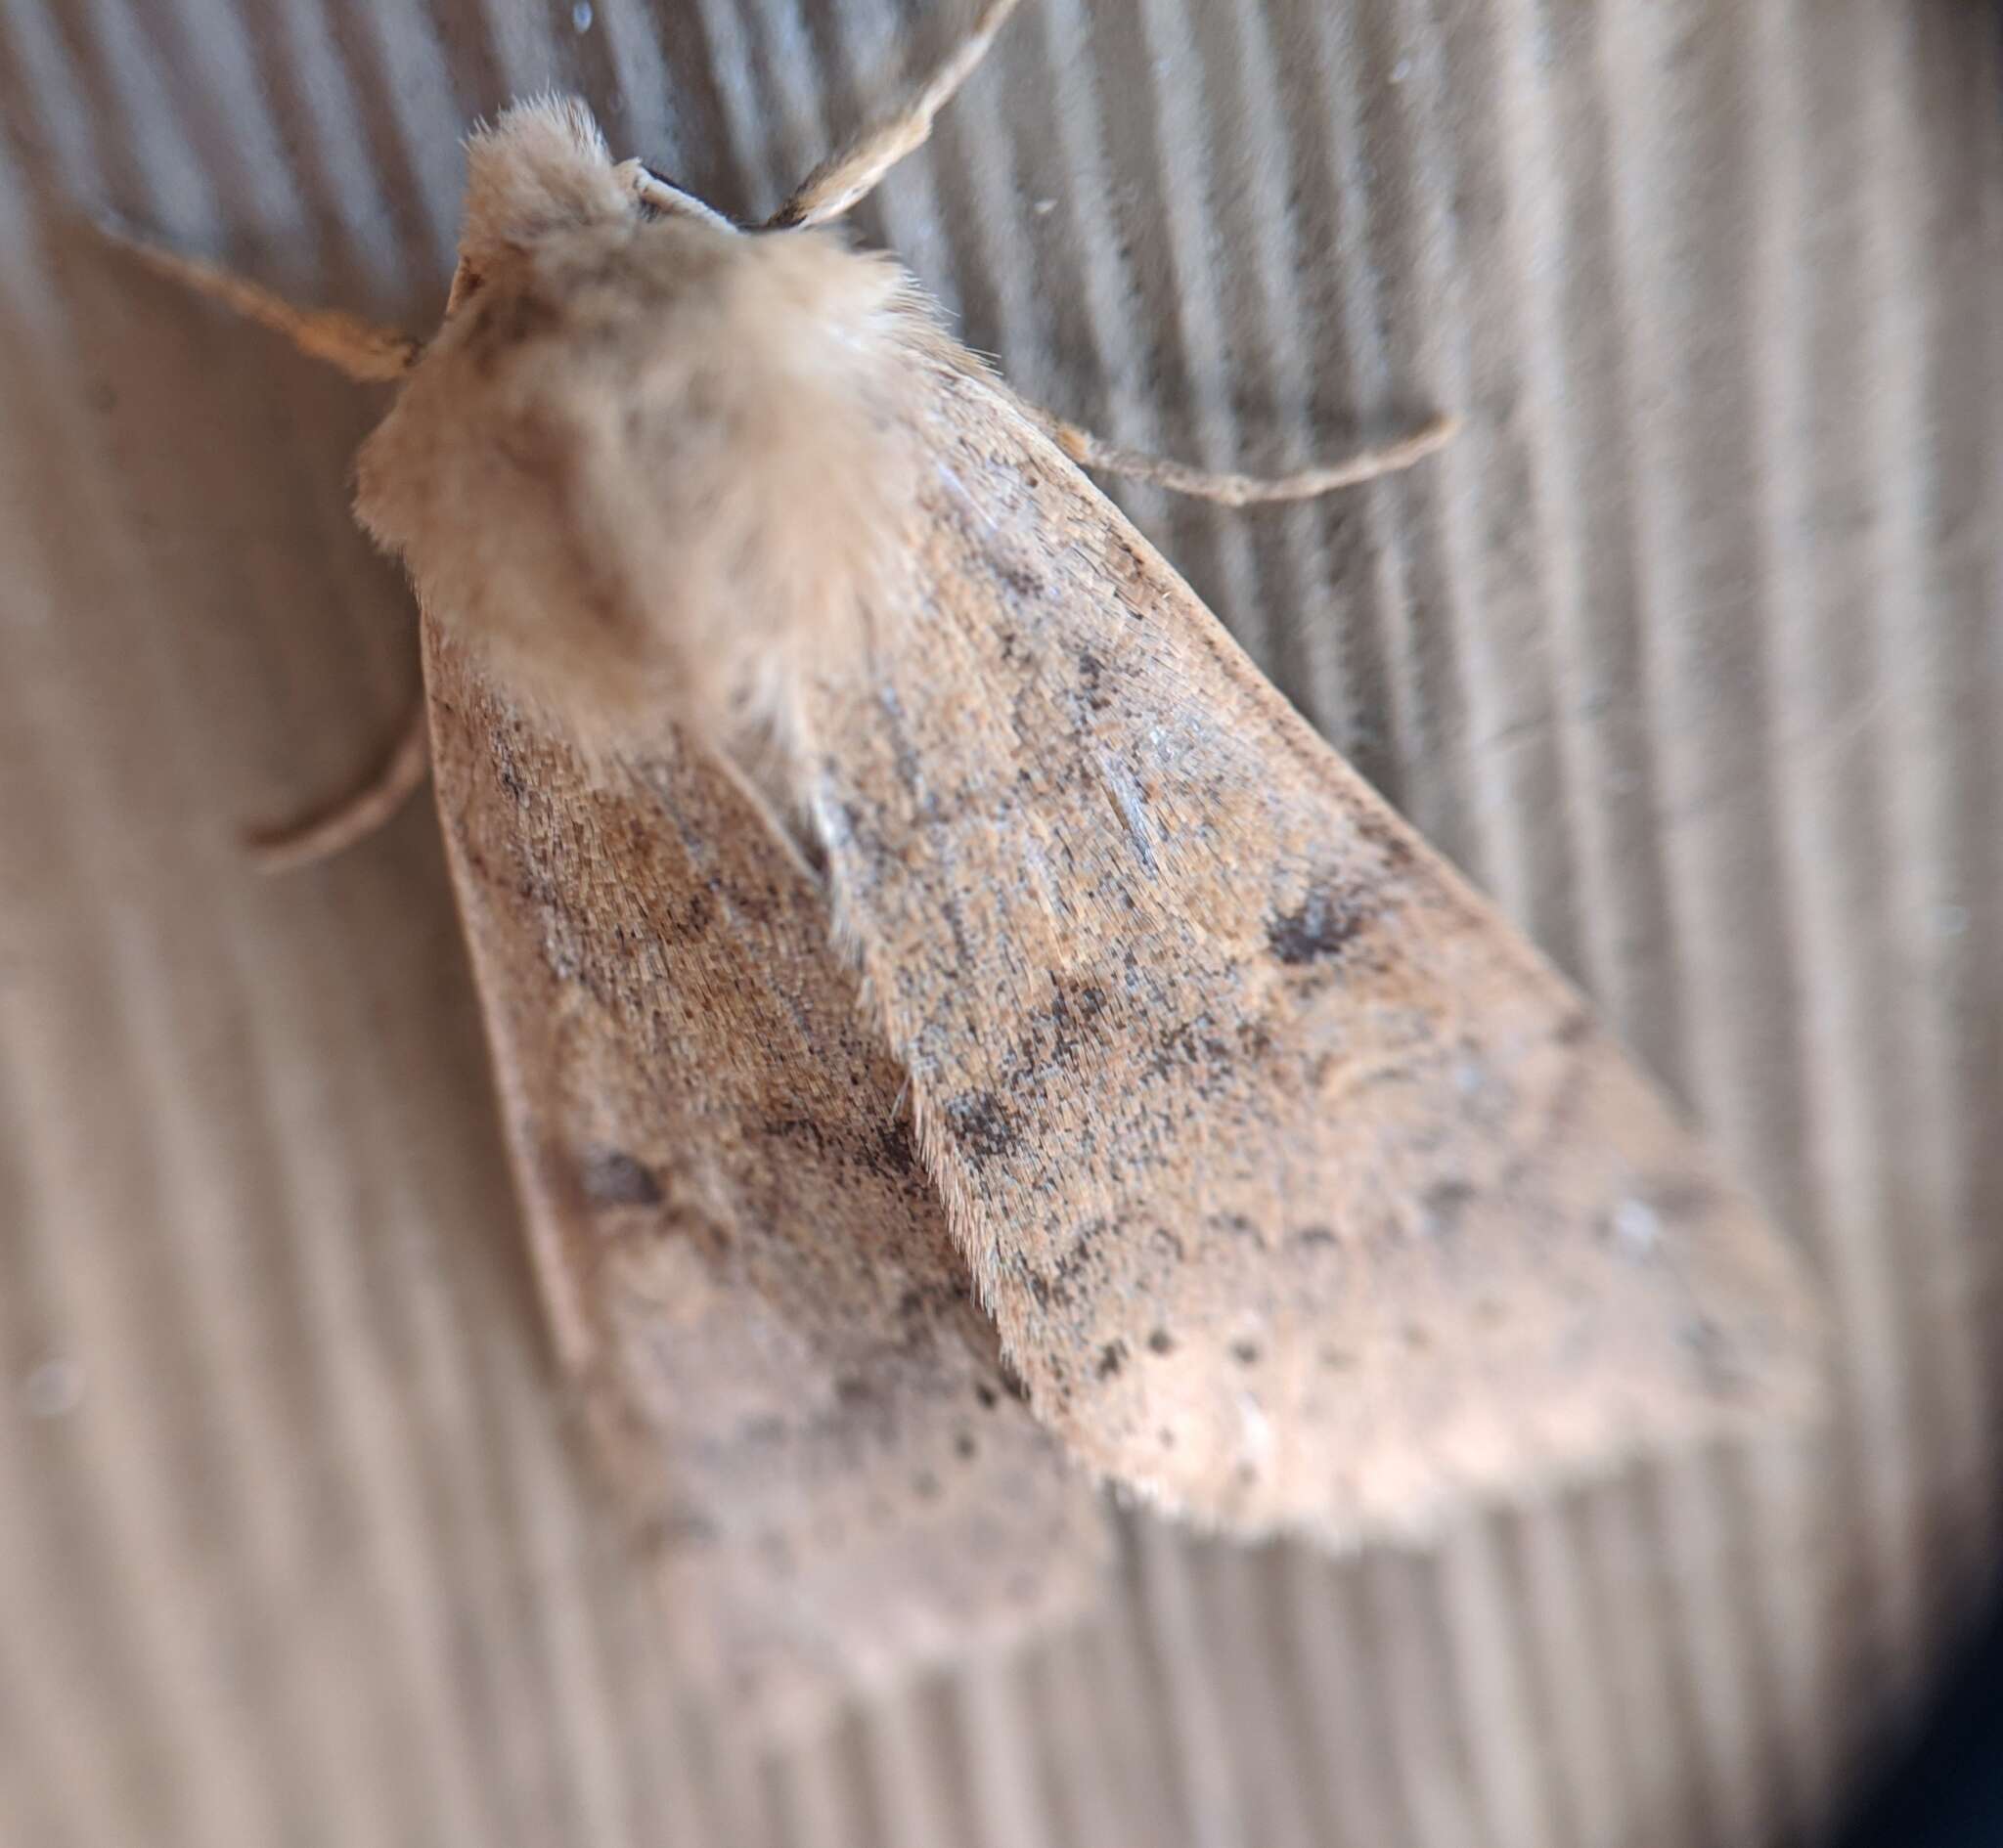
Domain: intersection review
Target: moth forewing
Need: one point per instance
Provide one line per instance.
(748, 1271)
(1305, 1194)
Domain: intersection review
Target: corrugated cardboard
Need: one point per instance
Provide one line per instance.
(1689, 650)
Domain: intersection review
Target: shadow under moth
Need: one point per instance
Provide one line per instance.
(964, 1038)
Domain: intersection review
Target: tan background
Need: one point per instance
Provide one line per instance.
(1689, 650)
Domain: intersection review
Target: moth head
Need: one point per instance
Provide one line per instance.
(650, 462)
(543, 167)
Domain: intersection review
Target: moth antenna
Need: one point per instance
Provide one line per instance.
(366, 353)
(1236, 490)
(844, 179)
(356, 814)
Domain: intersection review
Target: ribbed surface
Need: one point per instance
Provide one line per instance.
(1689, 649)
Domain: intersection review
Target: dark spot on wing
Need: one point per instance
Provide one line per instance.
(1575, 1029)
(1015, 575)
(1161, 1342)
(1716, 1361)
(689, 920)
(1055, 1033)
(1124, 564)
(1191, 1053)
(1319, 929)
(1388, 835)
(893, 1154)
(1092, 673)
(610, 1177)
(978, 1123)
(1071, 1010)
(1047, 1287)
(1245, 1353)
(1441, 1206)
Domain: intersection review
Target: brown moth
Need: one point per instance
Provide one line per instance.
(951, 1014)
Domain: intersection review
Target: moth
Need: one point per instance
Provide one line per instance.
(964, 1038)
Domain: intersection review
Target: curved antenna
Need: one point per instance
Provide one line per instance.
(365, 352)
(842, 180)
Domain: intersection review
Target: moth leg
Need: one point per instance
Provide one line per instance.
(1235, 490)
(356, 814)
(366, 353)
(843, 179)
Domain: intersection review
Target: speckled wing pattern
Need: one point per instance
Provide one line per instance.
(746, 1268)
(1304, 1193)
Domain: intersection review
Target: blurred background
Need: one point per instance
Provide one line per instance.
(1687, 650)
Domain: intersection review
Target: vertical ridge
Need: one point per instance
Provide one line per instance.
(1688, 646)
(1195, 1751)
(1917, 625)
(1682, 282)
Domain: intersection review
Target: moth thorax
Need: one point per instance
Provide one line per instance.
(654, 471)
